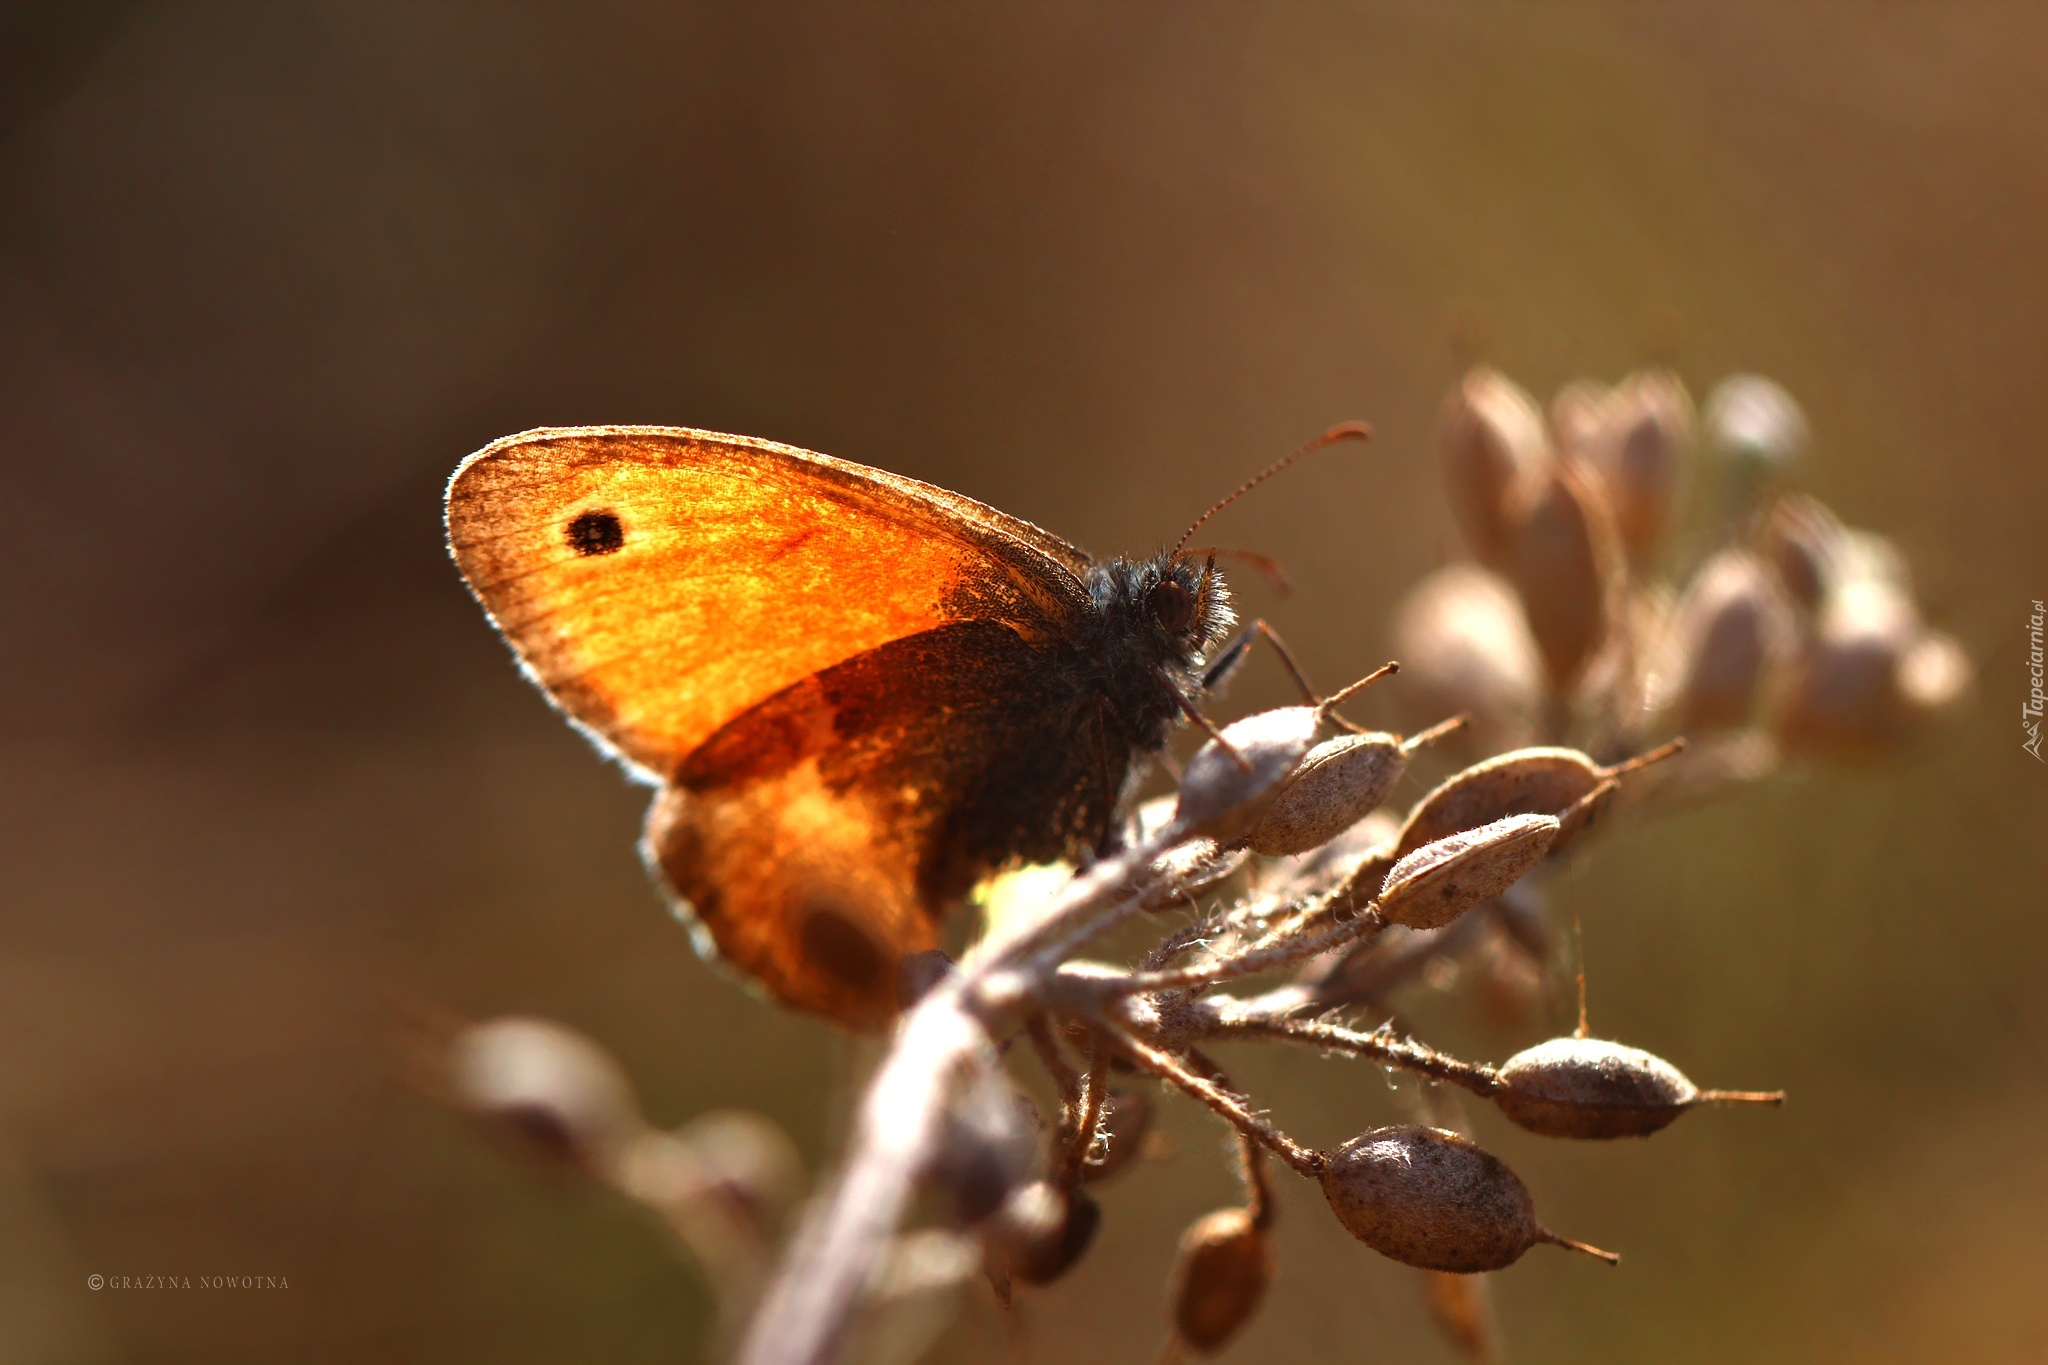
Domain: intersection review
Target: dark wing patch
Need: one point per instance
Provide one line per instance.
(820, 836)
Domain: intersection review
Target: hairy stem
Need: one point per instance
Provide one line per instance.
(1065, 1079)
(802, 1320)
(819, 1289)
(1264, 958)
(1258, 1189)
(1081, 1140)
(1402, 1052)
(1305, 1160)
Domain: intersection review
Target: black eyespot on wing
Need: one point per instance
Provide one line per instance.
(596, 533)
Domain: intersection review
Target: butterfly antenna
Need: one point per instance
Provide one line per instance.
(1343, 431)
(1269, 568)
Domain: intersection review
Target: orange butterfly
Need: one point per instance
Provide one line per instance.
(858, 693)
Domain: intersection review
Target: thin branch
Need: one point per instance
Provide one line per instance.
(1367, 975)
(1193, 934)
(1285, 952)
(825, 1278)
(1001, 969)
(1305, 1160)
(1065, 1078)
(1405, 1053)
(1258, 1187)
(822, 1282)
(1081, 1141)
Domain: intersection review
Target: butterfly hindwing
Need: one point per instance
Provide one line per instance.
(816, 835)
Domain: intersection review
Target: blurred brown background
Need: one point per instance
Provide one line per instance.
(267, 271)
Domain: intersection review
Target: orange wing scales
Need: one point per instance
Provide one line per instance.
(837, 673)
(818, 836)
(742, 567)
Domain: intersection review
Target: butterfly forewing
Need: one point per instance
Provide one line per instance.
(658, 582)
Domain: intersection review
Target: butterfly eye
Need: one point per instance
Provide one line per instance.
(1172, 607)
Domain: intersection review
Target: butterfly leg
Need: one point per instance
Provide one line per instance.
(1227, 663)
(1234, 655)
(1194, 713)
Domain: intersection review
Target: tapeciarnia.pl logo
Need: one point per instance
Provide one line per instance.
(2030, 710)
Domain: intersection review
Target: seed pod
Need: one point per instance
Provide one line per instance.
(1566, 555)
(1465, 647)
(1225, 1264)
(725, 1181)
(1493, 449)
(1225, 790)
(990, 1144)
(1733, 629)
(1041, 1231)
(1642, 456)
(1339, 783)
(1752, 421)
(1754, 414)
(1934, 675)
(1846, 715)
(1541, 781)
(1126, 1123)
(1590, 1088)
(1870, 580)
(1430, 1198)
(1444, 878)
(749, 1160)
(561, 1096)
(1844, 697)
(1581, 418)
(1800, 538)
